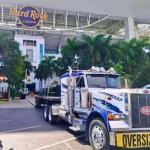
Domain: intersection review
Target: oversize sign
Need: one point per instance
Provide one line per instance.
(133, 140)
(29, 16)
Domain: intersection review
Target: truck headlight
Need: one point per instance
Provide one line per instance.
(119, 116)
(112, 116)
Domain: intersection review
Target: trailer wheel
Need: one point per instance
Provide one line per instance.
(46, 112)
(37, 103)
(52, 118)
(98, 135)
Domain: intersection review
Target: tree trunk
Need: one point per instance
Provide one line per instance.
(41, 85)
(9, 98)
(44, 87)
(130, 69)
(93, 61)
(44, 84)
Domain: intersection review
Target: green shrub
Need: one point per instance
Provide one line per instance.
(13, 93)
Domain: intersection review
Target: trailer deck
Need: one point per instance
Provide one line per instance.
(39, 100)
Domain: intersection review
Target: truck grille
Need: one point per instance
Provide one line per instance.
(140, 109)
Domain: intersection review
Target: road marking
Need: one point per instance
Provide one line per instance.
(5, 121)
(48, 146)
(68, 146)
(20, 129)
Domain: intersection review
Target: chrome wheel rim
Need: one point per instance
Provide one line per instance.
(97, 137)
(49, 114)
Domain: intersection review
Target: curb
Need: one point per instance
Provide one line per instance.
(4, 100)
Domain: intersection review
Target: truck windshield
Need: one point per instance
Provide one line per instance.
(103, 81)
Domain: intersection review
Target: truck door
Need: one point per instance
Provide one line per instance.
(77, 92)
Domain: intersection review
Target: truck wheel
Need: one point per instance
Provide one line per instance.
(52, 118)
(46, 112)
(37, 103)
(98, 135)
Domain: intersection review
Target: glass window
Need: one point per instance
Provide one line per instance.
(29, 43)
(80, 82)
(29, 53)
(113, 81)
(103, 81)
(96, 81)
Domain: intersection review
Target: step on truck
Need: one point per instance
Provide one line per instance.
(93, 101)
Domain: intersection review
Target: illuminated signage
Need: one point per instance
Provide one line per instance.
(29, 16)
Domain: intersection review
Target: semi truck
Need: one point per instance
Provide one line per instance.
(94, 102)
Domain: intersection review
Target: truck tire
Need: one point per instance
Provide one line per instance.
(52, 118)
(98, 135)
(46, 112)
(37, 103)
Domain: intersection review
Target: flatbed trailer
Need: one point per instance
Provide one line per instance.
(54, 98)
(43, 100)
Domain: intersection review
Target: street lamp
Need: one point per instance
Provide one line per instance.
(25, 80)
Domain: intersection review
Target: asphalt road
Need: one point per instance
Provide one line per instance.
(22, 127)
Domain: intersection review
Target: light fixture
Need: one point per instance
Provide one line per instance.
(112, 116)
(102, 69)
(97, 69)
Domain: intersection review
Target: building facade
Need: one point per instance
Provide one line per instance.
(43, 29)
(33, 48)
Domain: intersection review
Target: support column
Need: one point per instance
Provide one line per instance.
(129, 29)
(136, 32)
(54, 19)
(2, 11)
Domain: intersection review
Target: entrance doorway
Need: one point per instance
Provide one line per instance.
(31, 87)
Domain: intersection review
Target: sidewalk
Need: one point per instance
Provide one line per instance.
(19, 103)
(16, 104)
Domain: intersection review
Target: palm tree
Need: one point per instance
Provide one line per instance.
(45, 68)
(96, 49)
(69, 50)
(133, 57)
(91, 51)
(28, 67)
(48, 64)
(61, 66)
(130, 53)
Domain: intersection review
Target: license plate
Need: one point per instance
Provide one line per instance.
(133, 140)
